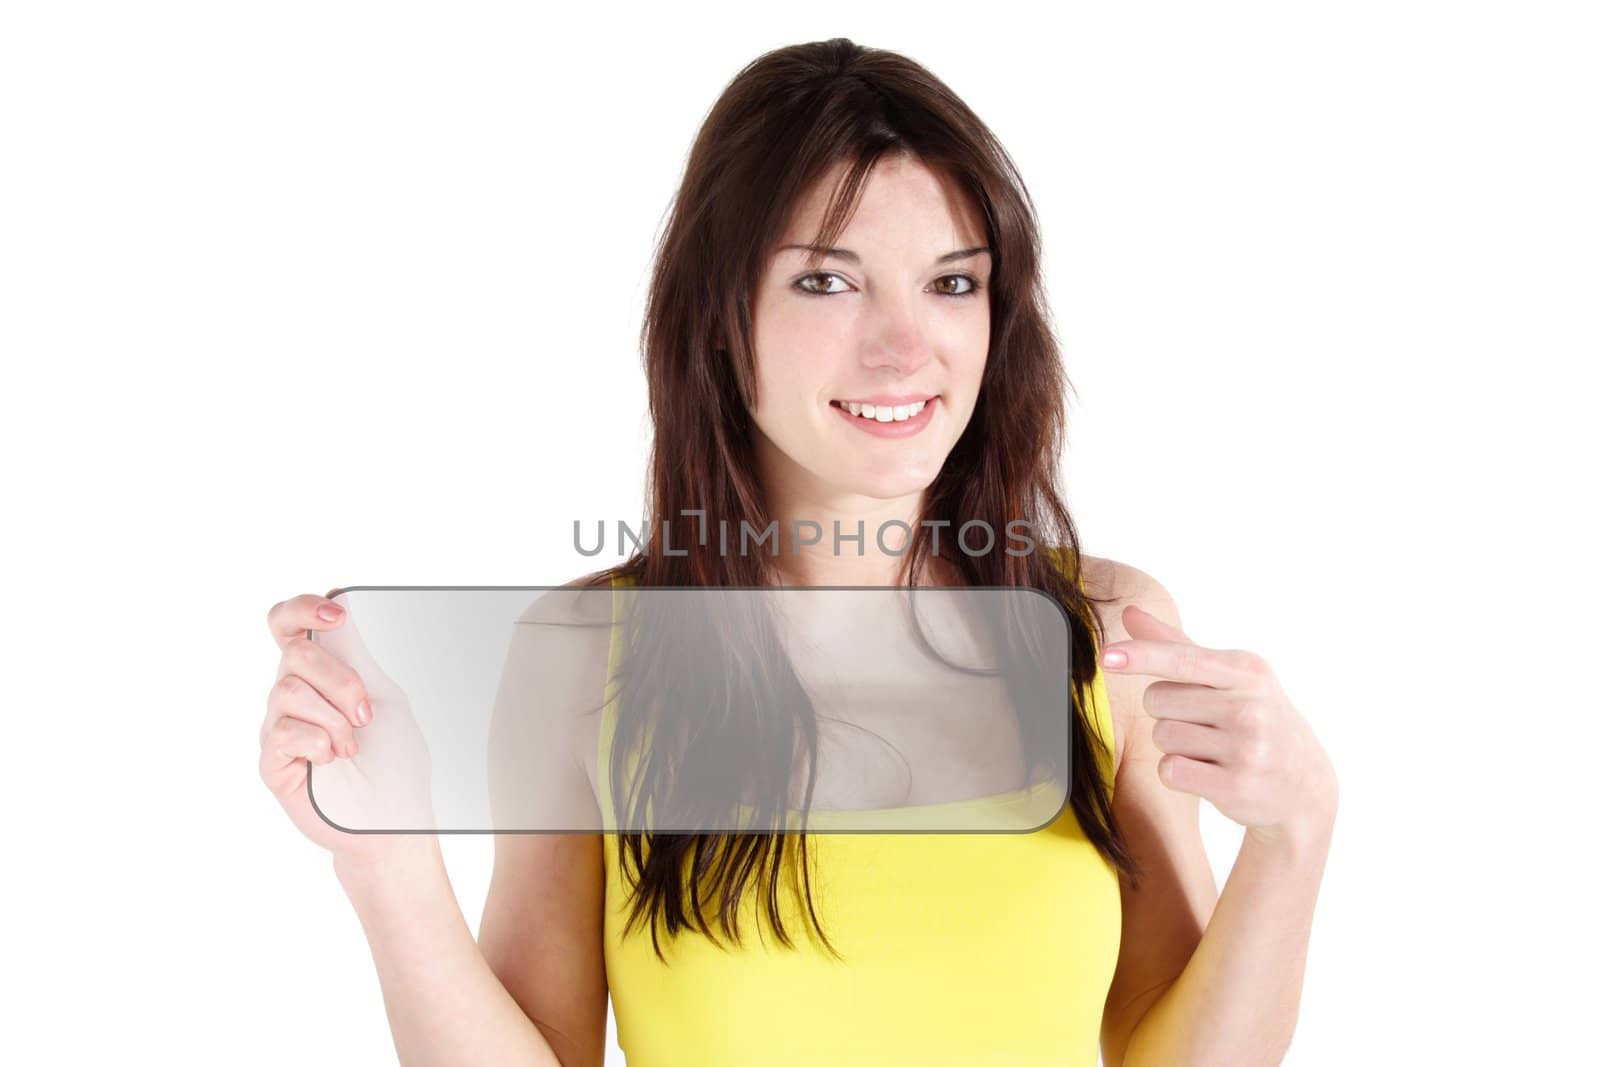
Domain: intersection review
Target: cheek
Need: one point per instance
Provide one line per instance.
(961, 332)
(974, 348)
(796, 357)
(775, 375)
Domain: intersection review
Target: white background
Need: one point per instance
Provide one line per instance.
(299, 295)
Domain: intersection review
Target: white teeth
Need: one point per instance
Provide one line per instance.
(885, 412)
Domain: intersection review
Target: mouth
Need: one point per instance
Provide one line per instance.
(891, 417)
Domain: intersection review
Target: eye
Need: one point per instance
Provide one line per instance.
(800, 283)
(972, 284)
(804, 284)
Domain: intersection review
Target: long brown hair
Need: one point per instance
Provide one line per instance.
(786, 120)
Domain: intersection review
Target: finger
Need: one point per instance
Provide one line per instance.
(1145, 624)
(1192, 776)
(331, 676)
(1189, 739)
(291, 618)
(1191, 703)
(295, 698)
(1177, 660)
(294, 739)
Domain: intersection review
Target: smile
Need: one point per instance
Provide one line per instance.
(887, 420)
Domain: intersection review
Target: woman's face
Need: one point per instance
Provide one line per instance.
(897, 315)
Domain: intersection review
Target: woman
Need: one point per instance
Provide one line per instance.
(848, 242)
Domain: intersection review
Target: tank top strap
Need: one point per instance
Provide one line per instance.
(608, 711)
(1097, 706)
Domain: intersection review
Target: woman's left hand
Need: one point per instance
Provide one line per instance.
(1228, 729)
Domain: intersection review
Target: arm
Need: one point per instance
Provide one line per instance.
(532, 989)
(543, 926)
(542, 933)
(445, 1005)
(1238, 999)
(1202, 980)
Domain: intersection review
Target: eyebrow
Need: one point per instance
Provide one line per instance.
(825, 251)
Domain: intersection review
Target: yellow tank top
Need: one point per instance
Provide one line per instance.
(993, 949)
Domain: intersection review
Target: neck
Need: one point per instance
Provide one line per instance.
(847, 559)
(874, 534)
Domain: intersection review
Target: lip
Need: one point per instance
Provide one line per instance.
(909, 428)
(885, 398)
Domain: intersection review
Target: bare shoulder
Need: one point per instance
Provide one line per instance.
(1114, 586)
(1109, 579)
(546, 728)
(585, 599)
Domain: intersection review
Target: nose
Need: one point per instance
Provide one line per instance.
(897, 340)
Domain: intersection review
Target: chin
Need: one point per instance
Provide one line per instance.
(889, 486)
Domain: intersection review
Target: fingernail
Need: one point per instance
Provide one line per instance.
(1114, 657)
(329, 612)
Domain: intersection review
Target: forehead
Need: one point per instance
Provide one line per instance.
(901, 199)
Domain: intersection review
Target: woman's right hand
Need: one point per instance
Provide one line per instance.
(314, 710)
